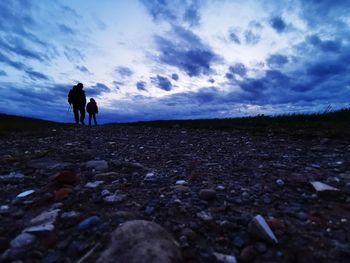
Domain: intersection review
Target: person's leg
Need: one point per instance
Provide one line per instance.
(94, 115)
(76, 114)
(82, 115)
(90, 115)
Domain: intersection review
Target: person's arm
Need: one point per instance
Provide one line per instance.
(96, 109)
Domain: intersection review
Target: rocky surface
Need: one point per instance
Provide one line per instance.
(64, 192)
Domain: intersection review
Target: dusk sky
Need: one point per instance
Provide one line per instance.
(174, 59)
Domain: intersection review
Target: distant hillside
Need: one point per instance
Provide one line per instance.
(12, 123)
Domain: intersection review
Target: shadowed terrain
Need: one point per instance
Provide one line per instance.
(66, 189)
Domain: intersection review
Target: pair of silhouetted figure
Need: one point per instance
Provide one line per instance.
(77, 98)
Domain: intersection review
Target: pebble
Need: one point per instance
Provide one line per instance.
(22, 240)
(280, 182)
(46, 217)
(25, 194)
(180, 182)
(238, 242)
(260, 229)
(39, 228)
(113, 199)
(88, 222)
(98, 165)
(207, 194)
(93, 185)
(105, 192)
(141, 241)
(66, 177)
(205, 216)
(225, 258)
(69, 215)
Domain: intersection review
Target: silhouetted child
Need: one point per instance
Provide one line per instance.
(92, 109)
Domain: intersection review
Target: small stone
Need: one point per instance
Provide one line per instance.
(150, 177)
(205, 216)
(149, 210)
(141, 241)
(220, 187)
(46, 217)
(61, 194)
(225, 258)
(259, 228)
(207, 194)
(343, 220)
(180, 182)
(112, 199)
(105, 192)
(69, 215)
(93, 185)
(248, 254)
(22, 240)
(324, 189)
(43, 163)
(98, 165)
(89, 222)
(25, 194)
(238, 242)
(4, 207)
(39, 228)
(280, 182)
(66, 177)
(260, 247)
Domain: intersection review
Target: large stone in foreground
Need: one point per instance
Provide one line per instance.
(140, 241)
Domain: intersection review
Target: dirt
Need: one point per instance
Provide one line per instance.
(156, 174)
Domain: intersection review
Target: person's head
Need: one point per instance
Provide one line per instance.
(80, 86)
(92, 100)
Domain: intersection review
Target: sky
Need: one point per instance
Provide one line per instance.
(174, 59)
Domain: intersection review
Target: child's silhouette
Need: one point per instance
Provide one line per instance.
(92, 109)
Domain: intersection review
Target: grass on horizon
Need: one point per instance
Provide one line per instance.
(332, 124)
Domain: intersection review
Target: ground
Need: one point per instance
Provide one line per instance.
(157, 173)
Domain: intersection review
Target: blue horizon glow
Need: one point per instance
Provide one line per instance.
(180, 59)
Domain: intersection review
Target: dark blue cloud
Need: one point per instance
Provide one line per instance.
(141, 85)
(159, 9)
(229, 76)
(7, 61)
(211, 80)
(73, 55)
(251, 38)
(238, 69)
(174, 12)
(277, 60)
(175, 77)
(234, 38)
(191, 16)
(97, 90)
(326, 46)
(188, 53)
(162, 83)
(83, 69)
(34, 75)
(124, 71)
(278, 24)
(15, 45)
(3, 73)
(326, 69)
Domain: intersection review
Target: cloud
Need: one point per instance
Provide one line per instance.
(188, 53)
(66, 29)
(82, 69)
(251, 38)
(174, 11)
(3, 73)
(162, 83)
(238, 69)
(326, 46)
(278, 24)
(141, 85)
(234, 38)
(277, 60)
(124, 71)
(192, 16)
(34, 75)
(97, 89)
(175, 76)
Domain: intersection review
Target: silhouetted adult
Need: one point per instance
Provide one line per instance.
(77, 98)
